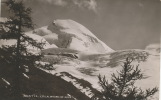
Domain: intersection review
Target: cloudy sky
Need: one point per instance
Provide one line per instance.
(121, 24)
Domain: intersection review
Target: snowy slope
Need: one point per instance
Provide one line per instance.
(88, 67)
(34, 36)
(30, 34)
(72, 35)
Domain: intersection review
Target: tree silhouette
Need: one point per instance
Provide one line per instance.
(122, 86)
(14, 58)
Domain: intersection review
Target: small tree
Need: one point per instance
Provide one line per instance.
(122, 85)
(17, 56)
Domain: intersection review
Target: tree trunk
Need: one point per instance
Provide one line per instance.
(17, 89)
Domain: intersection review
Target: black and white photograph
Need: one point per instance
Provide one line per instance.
(80, 49)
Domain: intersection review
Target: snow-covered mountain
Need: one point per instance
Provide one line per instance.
(66, 34)
(72, 35)
(75, 56)
(153, 48)
(86, 62)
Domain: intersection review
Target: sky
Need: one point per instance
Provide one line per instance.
(121, 24)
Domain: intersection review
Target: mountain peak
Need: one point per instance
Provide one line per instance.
(72, 35)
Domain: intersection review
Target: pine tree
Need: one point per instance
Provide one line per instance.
(17, 57)
(122, 86)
